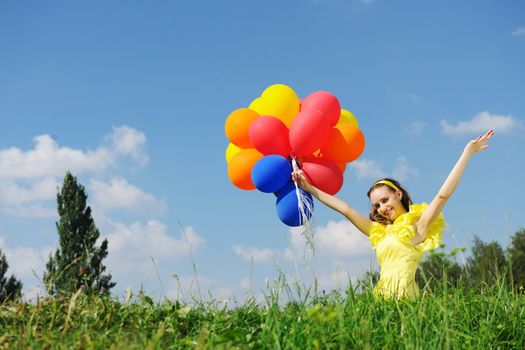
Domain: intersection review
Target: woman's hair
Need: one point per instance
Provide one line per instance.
(405, 199)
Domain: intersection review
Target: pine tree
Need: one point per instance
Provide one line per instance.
(77, 262)
(10, 289)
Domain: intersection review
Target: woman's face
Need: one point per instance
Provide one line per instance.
(387, 202)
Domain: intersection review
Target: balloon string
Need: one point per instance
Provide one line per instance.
(305, 206)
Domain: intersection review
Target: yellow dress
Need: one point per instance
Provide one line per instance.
(398, 257)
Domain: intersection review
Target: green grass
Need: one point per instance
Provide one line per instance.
(451, 319)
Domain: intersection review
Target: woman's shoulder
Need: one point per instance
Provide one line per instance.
(377, 233)
(414, 213)
(406, 223)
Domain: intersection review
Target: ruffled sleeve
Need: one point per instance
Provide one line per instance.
(377, 233)
(405, 224)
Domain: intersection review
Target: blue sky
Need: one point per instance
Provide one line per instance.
(132, 96)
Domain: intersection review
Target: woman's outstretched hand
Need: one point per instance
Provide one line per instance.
(479, 144)
(299, 177)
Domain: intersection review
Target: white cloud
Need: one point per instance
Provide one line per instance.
(131, 248)
(245, 283)
(416, 127)
(129, 142)
(342, 239)
(48, 159)
(367, 169)
(370, 169)
(520, 31)
(342, 253)
(25, 262)
(403, 170)
(40, 190)
(27, 265)
(29, 179)
(335, 240)
(502, 124)
(120, 194)
(256, 255)
(34, 211)
(337, 276)
(25, 198)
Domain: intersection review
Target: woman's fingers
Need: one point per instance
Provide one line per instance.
(487, 135)
(479, 143)
(297, 175)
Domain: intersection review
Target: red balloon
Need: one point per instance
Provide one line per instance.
(324, 102)
(323, 174)
(308, 132)
(269, 135)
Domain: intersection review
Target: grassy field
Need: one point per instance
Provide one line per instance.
(449, 319)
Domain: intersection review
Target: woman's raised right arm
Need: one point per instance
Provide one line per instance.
(361, 222)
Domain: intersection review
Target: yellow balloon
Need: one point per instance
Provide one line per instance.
(347, 117)
(280, 101)
(255, 105)
(231, 151)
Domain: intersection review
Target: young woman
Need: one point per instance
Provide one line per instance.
(400, 231)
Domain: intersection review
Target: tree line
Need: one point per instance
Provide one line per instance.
(77, 262)
(487, 265)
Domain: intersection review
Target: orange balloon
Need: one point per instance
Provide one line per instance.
(342, 166)
(240, 168)
(237, 127)
(345, 143)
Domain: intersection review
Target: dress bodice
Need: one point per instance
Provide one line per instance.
(398, 257)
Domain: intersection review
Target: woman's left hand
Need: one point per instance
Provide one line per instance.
(479, 144)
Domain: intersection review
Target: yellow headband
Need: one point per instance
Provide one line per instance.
(388, 183)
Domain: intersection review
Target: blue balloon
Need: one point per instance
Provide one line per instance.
(288, 207)
(271, 173)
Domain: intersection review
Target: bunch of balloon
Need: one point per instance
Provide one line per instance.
(277, 130)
